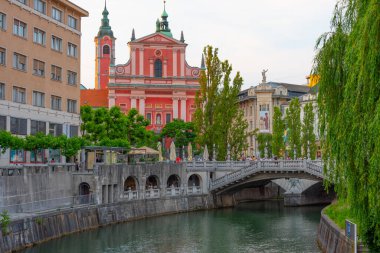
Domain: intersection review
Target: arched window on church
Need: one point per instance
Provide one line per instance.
(158, 68)
(106, 49)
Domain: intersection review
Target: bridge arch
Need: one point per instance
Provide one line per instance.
(84, 189)
(131, 183)
(174, 181)
(152, 182)
(194, 180)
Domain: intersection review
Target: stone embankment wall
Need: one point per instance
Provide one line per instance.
(21, 188)
(29, 231)
(331, 239)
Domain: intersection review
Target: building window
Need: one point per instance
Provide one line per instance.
(71, 77)
(71, 106)
(168, 118)
(22, 1)
(74, 131)
(38, 99)
(37, 156)
(19, 95)
(158, 119)
(38, 68)
(72, 22)
(18, 126)
(3, 122)
(106, 49)
(37, 127)
(19, 61)
(2, 56)
(56, 103)
(3, 21)
(2, 91)
(72, 50)
(17, 156)
(56, 14)
(56, 73)
(158, 68)
(55, 129)
(40, 6)
(149, 117)
(56, 43)
(39, 36)
(19, 28)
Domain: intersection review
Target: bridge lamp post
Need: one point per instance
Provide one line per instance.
(266, 150)
(308, 150)
(295, 152)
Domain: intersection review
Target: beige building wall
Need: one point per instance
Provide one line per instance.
(10, 77)
(261, 95)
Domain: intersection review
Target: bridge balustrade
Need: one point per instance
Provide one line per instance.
(152, 193)
(193, 190)
(131, 195)
(173, 191)
(268, 165)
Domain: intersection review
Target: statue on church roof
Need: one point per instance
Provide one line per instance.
(263, 73)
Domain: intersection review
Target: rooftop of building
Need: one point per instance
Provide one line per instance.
(94, 97)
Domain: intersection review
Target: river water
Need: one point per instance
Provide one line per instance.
(250, 227)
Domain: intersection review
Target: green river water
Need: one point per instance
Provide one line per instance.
(250, 227)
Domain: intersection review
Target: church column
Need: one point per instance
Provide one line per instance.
(175, 108)
(111, 98)
(141, 61)
(174, 62)
(183, 109)
(165, 68)
(151, 71)
(133, 62)
(142, 106)
(182, 63)
(133, 102)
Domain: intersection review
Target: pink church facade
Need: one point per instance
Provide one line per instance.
(156, 80)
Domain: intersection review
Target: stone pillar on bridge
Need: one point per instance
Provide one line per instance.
(142, 187)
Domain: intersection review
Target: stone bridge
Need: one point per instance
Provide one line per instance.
(32, 188)
(240, 174)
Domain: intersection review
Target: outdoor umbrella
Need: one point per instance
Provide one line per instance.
(189, 152)
(205, 154)
(172, 152)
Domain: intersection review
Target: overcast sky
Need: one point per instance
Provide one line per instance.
(252, 34)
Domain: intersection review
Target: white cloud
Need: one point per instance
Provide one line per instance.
(251, 34)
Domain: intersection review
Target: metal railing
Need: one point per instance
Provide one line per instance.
(50, 204)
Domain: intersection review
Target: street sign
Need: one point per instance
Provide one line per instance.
(351, 233)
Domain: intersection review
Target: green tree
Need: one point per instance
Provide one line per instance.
(264, 141)
(348, 63)
(136, 131)
(293, 122)
(182, 132)
(87, 116)
(278, 145)
(7, 140)
(308, 136)
(218, 119)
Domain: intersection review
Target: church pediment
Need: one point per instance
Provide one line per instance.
(157, 38)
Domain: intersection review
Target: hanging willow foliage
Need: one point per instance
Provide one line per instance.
(348, 62)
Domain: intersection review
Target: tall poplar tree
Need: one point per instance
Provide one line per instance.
(293, 122)
(278, 145)
(348, 63)
(308, 135)
(218, 119)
